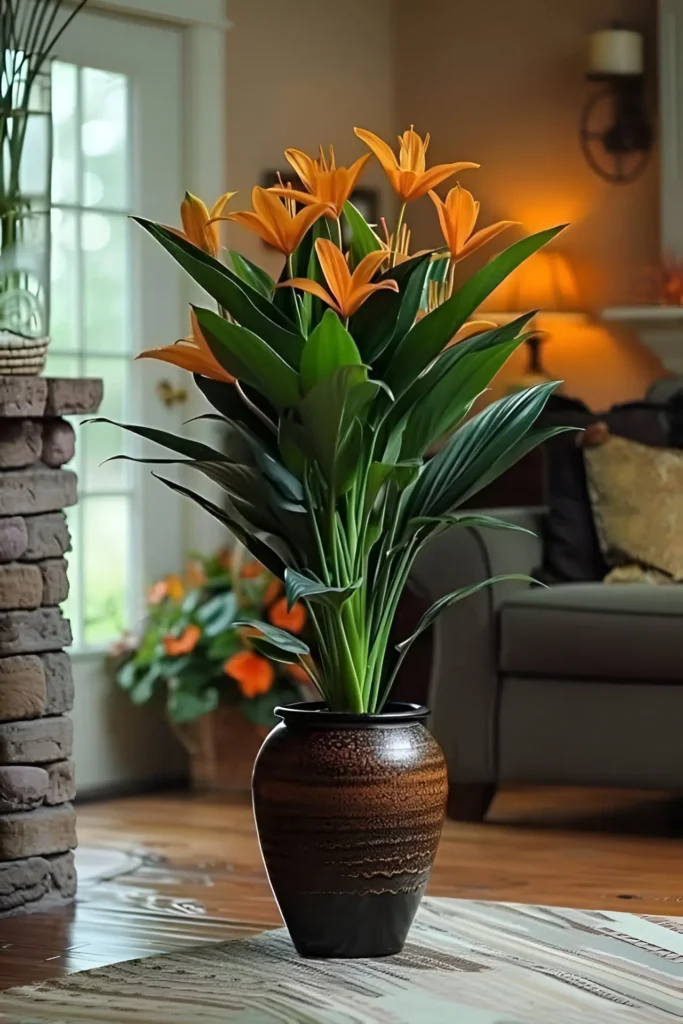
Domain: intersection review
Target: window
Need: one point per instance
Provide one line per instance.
(91, 333)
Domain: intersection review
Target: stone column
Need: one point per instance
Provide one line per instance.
(37, 819)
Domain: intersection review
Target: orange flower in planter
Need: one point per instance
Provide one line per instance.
(458, 217)
(349, 290)
(183, 644)
(408, 175)
(191, 353)
(171, 587)
(324, 180)
(275, 221)
(251, 570)
(293, 621)
(254, 675)
(200, 225)
(272, 592)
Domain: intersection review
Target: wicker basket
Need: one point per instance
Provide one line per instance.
(22, 356)
(222, 747)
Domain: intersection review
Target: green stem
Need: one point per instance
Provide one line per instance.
(399, 225)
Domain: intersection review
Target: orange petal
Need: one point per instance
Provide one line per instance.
(359, 295)
(313, 288)
(443, 220)
(435, 175)
(195, 217)
(472, 327)
(305, 198)
(335, 269)
(484, 236)
(355, 170)
(187, 357)
(412, 151)
(368, 267)
(303, 165)
(254, 223)
(379, 147)
(303, 222)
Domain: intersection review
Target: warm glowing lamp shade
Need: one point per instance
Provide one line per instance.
(545, 282)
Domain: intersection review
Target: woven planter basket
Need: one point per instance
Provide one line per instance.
(222, 747)
(22, 356)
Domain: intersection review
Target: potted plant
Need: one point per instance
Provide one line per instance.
(339, 377)
(220, 693)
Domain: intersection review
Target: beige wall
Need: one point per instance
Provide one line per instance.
(303, 73)
(502, 82)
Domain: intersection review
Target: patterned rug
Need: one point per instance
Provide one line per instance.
(465, 962)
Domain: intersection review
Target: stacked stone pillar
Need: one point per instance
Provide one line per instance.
(37, 819)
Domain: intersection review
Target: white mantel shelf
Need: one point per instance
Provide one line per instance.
(644, 314)
(660, 328)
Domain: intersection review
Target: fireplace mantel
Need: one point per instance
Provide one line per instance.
(658, 327)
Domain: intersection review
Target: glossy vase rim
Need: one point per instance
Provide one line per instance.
(315, 713)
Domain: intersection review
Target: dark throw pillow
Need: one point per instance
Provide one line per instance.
(571, 551)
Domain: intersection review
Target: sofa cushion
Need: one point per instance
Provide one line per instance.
(590, 631)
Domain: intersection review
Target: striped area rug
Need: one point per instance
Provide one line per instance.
(465, 963)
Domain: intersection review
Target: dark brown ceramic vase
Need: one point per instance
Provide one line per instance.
(349, 810)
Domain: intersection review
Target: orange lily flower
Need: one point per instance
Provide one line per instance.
(275, 220)
(199, 224)
(349, 291)
(191, 354)
(458, 217)
(254, 675)
(293, 620)
(323, 179)
(183, 644)
(408, 175)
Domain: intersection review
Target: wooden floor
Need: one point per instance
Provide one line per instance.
(159, 873)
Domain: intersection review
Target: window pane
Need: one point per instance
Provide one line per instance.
(64, 79)
(105, 539)
(104, 240)
(104, 139)
(64, 274)
(100, 440)
(72, 605)
(57, 365)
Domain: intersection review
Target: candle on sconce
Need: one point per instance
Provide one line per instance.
(615, 51)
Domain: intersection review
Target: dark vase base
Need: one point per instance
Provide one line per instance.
(350, 926)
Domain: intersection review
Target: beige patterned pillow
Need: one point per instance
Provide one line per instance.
(637, 498)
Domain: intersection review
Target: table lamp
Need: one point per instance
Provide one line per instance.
(545, 282)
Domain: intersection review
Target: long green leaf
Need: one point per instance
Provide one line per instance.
(228, 401)
(439, 606)
(386, 316)
(174, 442)
(249, 358)
(246, 304)
(253, 275)
(480, 522)
(328, 410)
(474, 448)
(429, 336)
(363, 238)
(298, 587)
(263, 548)
(279, 637)
(328, 347)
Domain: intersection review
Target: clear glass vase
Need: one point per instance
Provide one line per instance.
(25, 173)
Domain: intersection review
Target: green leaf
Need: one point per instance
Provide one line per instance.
(246, 304)
(272, 651)
(263, 547)
(328, 347)
(143, 690)
(298, 586)
(363, 238)
(328, 410)
(174, 442)
(127, 675)
(249, 358)
(279, 637)
(253, 275)
(227, 400)
(451, 396)
(480, 522)
(474, 449)
(433, 613)
(386, 316)
(217, 614)
(184, 705)
(429, 336)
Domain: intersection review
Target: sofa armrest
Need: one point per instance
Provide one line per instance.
(463, 690)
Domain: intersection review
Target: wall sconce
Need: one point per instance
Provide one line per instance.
(616, 134)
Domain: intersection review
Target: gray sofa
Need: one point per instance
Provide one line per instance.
(576, 684)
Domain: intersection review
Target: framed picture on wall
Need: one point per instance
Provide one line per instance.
(366, 200)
